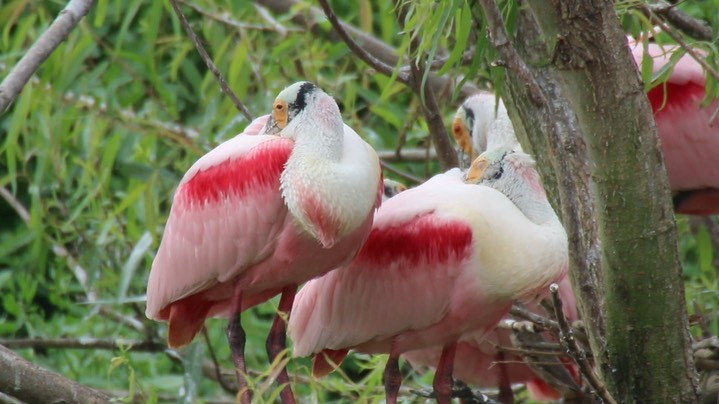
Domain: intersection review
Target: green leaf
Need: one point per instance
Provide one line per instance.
(132, 263)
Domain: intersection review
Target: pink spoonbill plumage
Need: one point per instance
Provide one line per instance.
(480, 362)
(688, 131)
(443, 259)
(482, 123)
(260, 214)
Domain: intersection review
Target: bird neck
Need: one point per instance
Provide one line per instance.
(527, 193)
(500, 134)
(314, 185)
(318, 139)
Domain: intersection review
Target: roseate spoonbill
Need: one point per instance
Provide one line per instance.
(480, 363)
(479, 115)
(689, 133)
(482, 122)
(392, 188)
(260, 214)
(443, 259)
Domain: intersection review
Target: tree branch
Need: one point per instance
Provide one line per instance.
(378, 49)
(225, 19)
(446, 154)
(41, 49)
(31, 383)
(678, 39)
(208, 61)
(691, 26)
(375, 63)
(83, 343)
(407, 176)
(437, 130)
(498, 37)
(577, 353)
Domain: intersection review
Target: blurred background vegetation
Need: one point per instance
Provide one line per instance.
(92, 150)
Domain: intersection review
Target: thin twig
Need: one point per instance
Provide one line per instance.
(521, 326)
(462, 392)
(61, 252)
(521, 312)
(208, 61)
(702, 321)
(466, 58)
(555, 350)
(310, 17)
(225, 19)
(129, 321)
(83, 343)
(570, 343)
(216, 363)
(68, 18)
(446, 154)
(500, 40)
(678, 39)
(368, 58)
(406, 154)
(689, 25)
(407, 176)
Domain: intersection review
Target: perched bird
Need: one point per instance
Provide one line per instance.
(392, 188)
(260, 214)
(689, 132)
(480, 363)
(477, 117)
(443, 259)
(482, 123)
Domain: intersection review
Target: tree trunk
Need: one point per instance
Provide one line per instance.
(590, 127)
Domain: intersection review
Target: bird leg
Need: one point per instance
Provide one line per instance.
(443, 375)
(506, 395)
(236, 338)
(392, 378)
(276, 341)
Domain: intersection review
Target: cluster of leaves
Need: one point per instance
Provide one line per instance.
(94, 146)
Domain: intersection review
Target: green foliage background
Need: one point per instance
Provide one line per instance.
(97, 141)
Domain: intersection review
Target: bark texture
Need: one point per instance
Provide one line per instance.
(592, 132)
(30, 383)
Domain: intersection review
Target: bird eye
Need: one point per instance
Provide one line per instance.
(279, 107)
(497, 175)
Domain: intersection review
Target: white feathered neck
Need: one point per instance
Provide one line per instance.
(513, 174)
(331, 179)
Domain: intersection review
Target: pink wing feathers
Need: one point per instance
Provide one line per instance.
(411, 248)
(477, 355)
(689, 133)
(229, 193)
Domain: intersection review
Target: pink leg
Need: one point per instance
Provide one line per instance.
(443, 376)
(506, 395)
(392, 378)
(236, 338)
(276, 341)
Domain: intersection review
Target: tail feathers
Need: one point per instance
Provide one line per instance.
(327, 361)
(187, 316)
